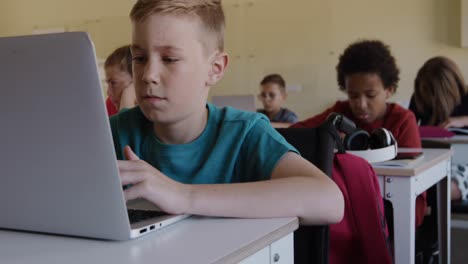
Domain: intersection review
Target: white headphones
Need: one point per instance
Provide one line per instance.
(378, 146)
(376, 155)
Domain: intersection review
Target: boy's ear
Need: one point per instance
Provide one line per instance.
(218, 67)
(285, 95)
(390, 91)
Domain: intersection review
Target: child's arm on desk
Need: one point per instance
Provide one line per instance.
(128, 98)
(297, 188)
(455, 121)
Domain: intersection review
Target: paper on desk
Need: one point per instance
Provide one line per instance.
(397, 162)
(458, 130)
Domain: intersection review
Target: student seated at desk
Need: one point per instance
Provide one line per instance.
(440, 99)
(272, 95)
(188, 156)
(118, 70)
(368, 74)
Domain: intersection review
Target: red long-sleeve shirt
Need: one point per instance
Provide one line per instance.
(111, 109)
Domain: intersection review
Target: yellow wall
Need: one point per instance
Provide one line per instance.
(105, 20)
(464, 23)
(301, 39)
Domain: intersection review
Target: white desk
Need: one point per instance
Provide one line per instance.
(194, 240)
(401, 185)
(459, 145)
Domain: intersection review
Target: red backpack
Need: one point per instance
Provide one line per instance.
(362, 234)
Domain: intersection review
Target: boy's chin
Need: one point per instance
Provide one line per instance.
(154, 115)
(160, 117)
(366, 120)
(159, 120)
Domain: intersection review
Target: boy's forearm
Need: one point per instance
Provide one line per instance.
(313, 200)
(128, 98)
(464, 120)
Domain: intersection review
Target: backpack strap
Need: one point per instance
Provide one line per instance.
(333, 131)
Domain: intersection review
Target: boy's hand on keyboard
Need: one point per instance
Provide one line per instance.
(150, 184)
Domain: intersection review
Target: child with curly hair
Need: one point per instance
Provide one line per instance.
(368, 74)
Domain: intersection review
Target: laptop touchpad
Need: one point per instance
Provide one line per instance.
(142, 204)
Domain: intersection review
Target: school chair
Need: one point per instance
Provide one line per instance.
(460, 207)
(311, 243)
(427, 235)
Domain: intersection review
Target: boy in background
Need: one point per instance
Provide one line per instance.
(118, 70)
(368, 74)
(272, 95)
(188, 156)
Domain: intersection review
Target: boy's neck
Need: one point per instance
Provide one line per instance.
(184, 131)
(271, 114)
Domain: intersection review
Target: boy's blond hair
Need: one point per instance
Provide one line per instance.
(210, 13)
(276, 79)
(120, 57)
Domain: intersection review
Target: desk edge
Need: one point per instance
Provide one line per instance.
(252, 248)
(404, 172)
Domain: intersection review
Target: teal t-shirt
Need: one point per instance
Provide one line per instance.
(235, 146)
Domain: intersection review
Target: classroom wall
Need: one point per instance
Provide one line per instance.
(301, 39)
(464, 23)
(106, 20)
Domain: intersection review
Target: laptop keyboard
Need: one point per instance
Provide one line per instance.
(139, 215)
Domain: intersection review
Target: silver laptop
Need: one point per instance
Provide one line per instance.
(58, 167)
(243, 102)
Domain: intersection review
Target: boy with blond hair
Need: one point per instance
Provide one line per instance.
(188, 156)
(118, 71)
